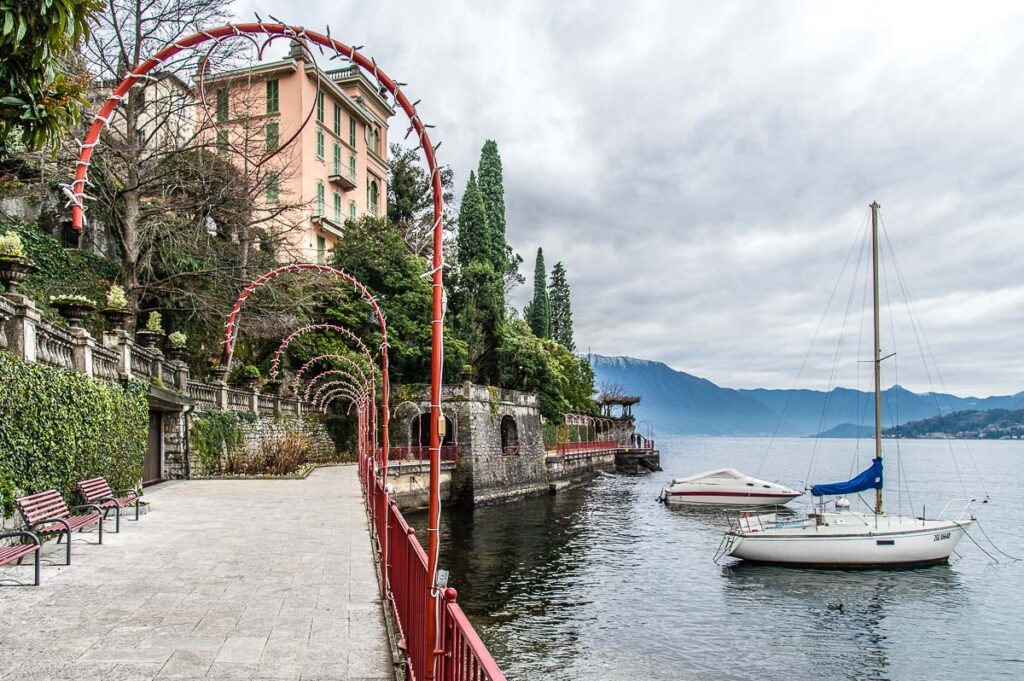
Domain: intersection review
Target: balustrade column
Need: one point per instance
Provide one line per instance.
(181, 376)
(81, 351)
(21, 327)
(120, 340)
(156, 367)
(254, 401)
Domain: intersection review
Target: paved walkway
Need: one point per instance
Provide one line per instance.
(237, 579)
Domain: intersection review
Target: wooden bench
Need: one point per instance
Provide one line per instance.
(45, 513)
(97, 491)
(17, 552)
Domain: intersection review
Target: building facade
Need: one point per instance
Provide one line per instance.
(316, 140)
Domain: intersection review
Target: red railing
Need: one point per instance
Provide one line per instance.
(420, 453)
(461, 655)
(563, 448)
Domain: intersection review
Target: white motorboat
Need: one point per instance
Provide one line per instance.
(726, 487)
(844, 538)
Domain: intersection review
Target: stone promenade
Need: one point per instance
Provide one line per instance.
(228, 579)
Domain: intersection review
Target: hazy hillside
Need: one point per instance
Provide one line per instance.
(680, 403)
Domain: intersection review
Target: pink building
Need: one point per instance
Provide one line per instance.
(334, 169)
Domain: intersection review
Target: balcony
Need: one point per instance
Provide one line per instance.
(327, 224)
(346, 179)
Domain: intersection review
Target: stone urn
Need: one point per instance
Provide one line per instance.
(176, 352)
(249, 384)
(218, 374)
(117, 318)
(272, 387)
(74, 312)
(13, 271)
(148, 339)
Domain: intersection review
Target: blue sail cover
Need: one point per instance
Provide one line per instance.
(869, 479)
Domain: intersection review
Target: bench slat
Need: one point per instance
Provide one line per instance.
(9, 554)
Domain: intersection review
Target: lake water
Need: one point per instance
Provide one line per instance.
(604, 582)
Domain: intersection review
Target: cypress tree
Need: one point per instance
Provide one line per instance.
(493, 189)
(561, 308)
(538, 314)
(473, 242)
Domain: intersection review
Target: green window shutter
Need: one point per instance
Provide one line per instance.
(352, 167)
(273, 96)
(337, 207)
(321, 249)
(222, 105)
(337, 119)
(337, 159)
(272, 135)
(273, 190)
(352, 132)
(320, 106)
(352, 210)
(320, 144)
(321, 208)
(222, 141)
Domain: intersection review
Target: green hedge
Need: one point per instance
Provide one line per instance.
(58, 427)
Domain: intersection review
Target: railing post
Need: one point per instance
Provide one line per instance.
(81, 352)
(220, 384)
(254, 401)
(156, 367)
(21, 327)
(120, 340)
(181, 376)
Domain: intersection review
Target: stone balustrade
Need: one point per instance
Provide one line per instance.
(117, 358)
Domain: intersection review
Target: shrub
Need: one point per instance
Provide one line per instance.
(154, 324)
(277, 454)
(177, 339)
(214, 438)
(67, 299)
(58, 427)
(249, 372)
(11, 246)
(116, 298)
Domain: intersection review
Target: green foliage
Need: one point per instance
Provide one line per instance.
(215, 437)
(249, 372)
(11, 246)
(564, 382)
(61, 270)
(58, 427)
(538, 313)
(474, 242)
(43, 93)
(411, 199)
(116, 298)
(154, 324)
(492, 190)
(561, 308)
(479, 310)
(991, 424)
(72, 299)
(178, 340)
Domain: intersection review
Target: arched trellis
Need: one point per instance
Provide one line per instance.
(141, 75)
(339, 391)
(315, 387)
(300, 374)
(309, 328)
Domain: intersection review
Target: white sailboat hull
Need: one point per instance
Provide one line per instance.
(726, 487)
(893, 541)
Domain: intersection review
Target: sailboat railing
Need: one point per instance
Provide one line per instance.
(966, 511)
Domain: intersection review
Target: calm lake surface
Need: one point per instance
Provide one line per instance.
(604, 582)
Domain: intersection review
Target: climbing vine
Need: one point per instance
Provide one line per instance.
(217, 435)
(58, 427)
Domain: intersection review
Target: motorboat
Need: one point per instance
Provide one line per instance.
(726, 487)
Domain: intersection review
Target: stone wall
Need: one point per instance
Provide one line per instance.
(310, 427)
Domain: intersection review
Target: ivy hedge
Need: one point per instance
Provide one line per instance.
(58, 427)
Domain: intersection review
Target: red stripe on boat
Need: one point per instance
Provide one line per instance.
(730, 494)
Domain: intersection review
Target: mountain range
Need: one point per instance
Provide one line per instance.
(678, 403)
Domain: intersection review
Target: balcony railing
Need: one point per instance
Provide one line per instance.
(344, 178)
(421, 453)
(593, 447)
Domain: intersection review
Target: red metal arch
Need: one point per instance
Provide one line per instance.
(338, 392)
(317, 327)
(302, 370)
(425, 660)
(315, 387)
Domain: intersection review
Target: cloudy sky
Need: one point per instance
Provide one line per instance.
(702, 169)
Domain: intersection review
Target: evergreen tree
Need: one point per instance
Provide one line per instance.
(561, 308)
(474, 240)
(538, 314)
(493, 190)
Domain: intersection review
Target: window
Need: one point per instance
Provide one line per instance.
(321, 200)
(273, 96)
(352, 167)
(509, 436)
(273, 189)
(321, 249)
(320, 144)
(222, 141)
(320, 106)
(222, 105)
(337, 159)
(373, 193)
(337, 119)
(337, 207)
(272, 135)
(351, 210)
(352, 132)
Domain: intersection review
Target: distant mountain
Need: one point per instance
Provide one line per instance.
(677, 403)
(848, 430)
(993, 424)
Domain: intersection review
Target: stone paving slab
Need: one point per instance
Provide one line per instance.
(222, 579)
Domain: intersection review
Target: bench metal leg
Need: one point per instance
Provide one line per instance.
(39, 553)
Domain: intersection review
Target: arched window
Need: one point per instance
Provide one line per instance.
(419, 429)
(374, 195)
(509, 436)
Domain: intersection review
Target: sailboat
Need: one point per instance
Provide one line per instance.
(844, 538)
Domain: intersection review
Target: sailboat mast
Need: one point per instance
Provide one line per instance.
(878, 350)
